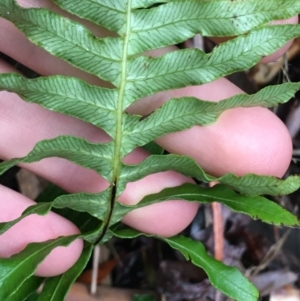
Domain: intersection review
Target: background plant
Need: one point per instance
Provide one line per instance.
(143, 25)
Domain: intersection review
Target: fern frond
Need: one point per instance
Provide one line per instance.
(139, 26)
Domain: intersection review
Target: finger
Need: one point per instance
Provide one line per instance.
(35, 228)
(276, 55)
(166, 218)
(241, 141)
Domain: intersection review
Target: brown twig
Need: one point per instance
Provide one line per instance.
(218, 231)
(218, 228)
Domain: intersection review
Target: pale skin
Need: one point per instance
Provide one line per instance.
(242, 141)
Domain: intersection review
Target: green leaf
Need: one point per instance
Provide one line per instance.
(119, 212)
(56, 288)
(180, 20)
(90, 155)
(252, 184)
(96, 204)
(257, 207)
(69, 96)
(27, 289)
(50, 193)
(189, 67)
(153, 148)
(62, 202)
(160, 24)
(249, 184)
(158, 163)
(110, 14)
(86, 223)
(122, 231)
(228, 280)
(41, 209)
(18, 268)
(183, 113)
(33, 297)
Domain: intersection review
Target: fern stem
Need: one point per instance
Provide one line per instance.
(119, 120)
(122, 89)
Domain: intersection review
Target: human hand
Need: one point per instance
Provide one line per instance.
(242, 141)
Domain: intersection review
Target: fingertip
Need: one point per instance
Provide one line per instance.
(164, 219)
(252, 140)
(36, 228)
(167, 218)
(241, 141)
(60, 260)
